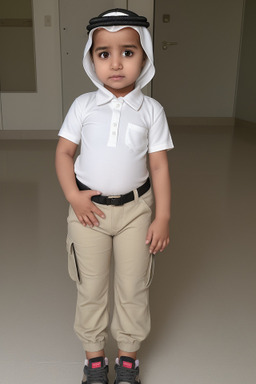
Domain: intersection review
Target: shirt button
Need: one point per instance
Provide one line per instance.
(114, 124)
(118, 106)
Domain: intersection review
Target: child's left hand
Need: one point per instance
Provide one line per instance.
(158, 235)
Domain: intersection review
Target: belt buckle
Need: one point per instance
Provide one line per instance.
(112, 200)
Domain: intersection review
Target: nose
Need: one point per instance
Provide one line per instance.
(116, 63)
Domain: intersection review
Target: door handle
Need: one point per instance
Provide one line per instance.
(165, 44)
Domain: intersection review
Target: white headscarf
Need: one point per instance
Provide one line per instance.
(145, 39)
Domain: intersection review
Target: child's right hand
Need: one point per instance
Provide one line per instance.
(84, 208)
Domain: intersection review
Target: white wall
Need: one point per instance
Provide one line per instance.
(205, 88)
(41, 110)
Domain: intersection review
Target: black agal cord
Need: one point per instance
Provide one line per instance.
(103, 20)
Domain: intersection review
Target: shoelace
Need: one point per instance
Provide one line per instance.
(97, 375)
(126, 375)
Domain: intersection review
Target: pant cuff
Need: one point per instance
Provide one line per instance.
(94, 347)
(129, 347)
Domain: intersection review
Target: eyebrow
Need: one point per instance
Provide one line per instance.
(122, 46)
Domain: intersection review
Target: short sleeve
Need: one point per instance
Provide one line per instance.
(159, 135)
(72, 125)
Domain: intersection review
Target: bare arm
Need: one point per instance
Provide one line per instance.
(80, 200)
(158, 232)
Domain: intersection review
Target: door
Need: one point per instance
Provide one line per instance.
(196, 55)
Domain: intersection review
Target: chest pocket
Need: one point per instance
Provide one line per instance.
(136, 137)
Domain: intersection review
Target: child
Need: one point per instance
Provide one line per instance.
(109, 191)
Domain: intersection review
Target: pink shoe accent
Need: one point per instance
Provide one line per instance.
(126, 364)
(96, 365)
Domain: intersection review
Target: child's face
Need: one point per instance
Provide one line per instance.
(118, 59)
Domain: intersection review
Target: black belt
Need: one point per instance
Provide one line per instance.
(115, 200)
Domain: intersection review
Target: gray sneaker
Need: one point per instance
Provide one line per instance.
(127, 371)
(96, 372)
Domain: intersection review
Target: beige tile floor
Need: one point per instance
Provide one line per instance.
(203, 297)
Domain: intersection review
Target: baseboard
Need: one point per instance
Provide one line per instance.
(244, 123)
(173, 121)
(201, 121)
(28, 135)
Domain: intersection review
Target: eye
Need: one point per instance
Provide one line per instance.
(104, 55)
(128, 53)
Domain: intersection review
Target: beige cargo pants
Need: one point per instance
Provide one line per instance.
(123, 233)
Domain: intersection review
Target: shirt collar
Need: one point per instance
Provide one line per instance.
(134, 99)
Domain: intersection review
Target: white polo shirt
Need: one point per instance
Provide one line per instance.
(115, 136)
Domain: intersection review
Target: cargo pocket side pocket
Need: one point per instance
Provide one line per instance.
(151, 270)
(73, 269)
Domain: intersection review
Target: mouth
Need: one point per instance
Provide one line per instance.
(116, 77)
